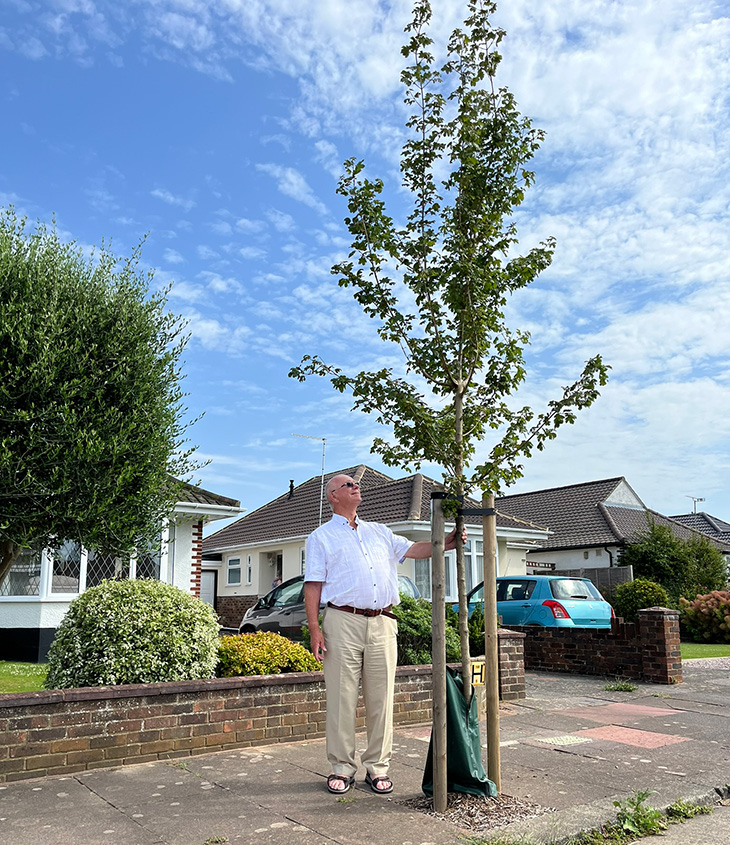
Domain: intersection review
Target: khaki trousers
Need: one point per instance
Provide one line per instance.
(359, 647)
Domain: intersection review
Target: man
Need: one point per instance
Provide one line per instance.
(351, 567)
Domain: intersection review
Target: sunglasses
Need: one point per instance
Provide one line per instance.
(349, 484)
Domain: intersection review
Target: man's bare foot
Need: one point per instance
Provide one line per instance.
(380, 784)
(339, 784)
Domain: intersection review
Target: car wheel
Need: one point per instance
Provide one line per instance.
(247, 629)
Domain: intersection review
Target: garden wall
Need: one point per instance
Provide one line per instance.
(66, 731)
(647, 650)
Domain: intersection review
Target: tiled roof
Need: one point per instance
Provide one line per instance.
(584, 515)
(571, 513)
(630, 523)
(196, 495)
(705, 523)
(296, 512)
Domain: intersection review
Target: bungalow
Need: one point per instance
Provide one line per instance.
(36, 593)
(247, 556)
(590, 523)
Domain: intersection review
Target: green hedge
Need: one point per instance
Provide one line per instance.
(636, 595)
(415, 630)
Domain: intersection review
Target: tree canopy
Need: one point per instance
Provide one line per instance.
(91, 407)
(437, 284)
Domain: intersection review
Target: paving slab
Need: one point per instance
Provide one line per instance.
(61, 810)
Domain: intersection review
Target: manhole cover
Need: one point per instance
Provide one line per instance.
(567, 739)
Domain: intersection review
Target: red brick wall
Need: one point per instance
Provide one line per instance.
(197, 559)
(230, 609)
(647, 650)
(66, 731)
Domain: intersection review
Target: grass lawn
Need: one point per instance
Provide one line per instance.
(21, 677)
(693, 651)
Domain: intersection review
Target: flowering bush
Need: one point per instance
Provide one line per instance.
(636, 595)
(133, 632)
(262, 653)
(707, 618)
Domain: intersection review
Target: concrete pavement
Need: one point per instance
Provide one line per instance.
(570, 746)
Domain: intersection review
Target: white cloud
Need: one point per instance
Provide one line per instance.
(328, 157)
(249, 227)
(187, 292)
(292, 184)
(173, 257)
(206, 253)
(170, 198)
(221, 227)
(280, 220)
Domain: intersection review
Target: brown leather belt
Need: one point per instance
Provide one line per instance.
(363, 611)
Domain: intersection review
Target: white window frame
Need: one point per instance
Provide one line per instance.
(249, 570)
(233, 564)
(302, 561)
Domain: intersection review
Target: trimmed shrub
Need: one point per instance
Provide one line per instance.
(133, 632)
(415, 629)
(636, 595)
(263, 653)
(707, 618)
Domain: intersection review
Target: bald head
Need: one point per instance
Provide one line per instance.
(343, 494)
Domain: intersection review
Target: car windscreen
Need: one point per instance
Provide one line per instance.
(287, 594)
(574, 588)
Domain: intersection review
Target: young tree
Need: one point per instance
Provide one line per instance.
(455, 254)
(90, 398)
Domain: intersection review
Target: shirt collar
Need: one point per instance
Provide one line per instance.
(339, 519)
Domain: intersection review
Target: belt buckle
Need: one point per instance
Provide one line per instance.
(370, 612)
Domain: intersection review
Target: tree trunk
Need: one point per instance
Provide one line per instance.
(460, 569)
(9, 553)
(463, 611)
(491, 642)
(438, 652)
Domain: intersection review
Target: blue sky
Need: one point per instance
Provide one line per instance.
(218, 128)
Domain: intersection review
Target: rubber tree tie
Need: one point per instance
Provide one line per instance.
(438, 494)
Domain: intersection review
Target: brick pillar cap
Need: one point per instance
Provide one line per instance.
(507, 633)
(666, 611)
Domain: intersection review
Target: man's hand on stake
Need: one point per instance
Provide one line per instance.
(450, 541)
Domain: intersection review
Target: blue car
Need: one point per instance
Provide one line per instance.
(547, 600)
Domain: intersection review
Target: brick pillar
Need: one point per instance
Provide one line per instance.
(511, 669)
(511, 664)
(196, 563)
(660, 646)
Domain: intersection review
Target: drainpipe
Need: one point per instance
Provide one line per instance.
(610, 556)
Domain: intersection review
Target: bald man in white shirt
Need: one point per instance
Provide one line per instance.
(351, 568)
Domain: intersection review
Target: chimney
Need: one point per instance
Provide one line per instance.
(291, 488)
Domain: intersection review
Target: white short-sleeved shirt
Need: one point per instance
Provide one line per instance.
(356, 567)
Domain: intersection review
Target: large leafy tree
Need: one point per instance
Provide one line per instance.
(683, 567)
(438, 282)
(90, 402)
